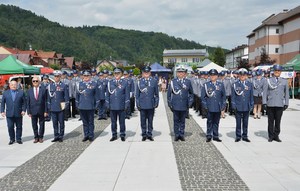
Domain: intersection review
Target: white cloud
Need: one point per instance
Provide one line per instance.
(218, 22)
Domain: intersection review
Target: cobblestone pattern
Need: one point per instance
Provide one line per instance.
(40, 172)
(200, 165)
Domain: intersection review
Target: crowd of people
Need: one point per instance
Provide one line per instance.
(117, 93)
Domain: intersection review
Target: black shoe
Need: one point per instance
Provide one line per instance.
(113, 138)
(55, 140)
(238, 140)
(99, 118)
(277, 140)
(246, 140)
(182, 138)
(122, 138)
(11, 142)
(208, 140)
(91, 139)
(217, 139)
(176, 139)
(60, 140)
(74, 116)
(127, 117)
(79, 119)
(85, 139)
(144, 138)
(151, 138)
(19, 142)
(270, 140)
(187, 117)
(105, 118)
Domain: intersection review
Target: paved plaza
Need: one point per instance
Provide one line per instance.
(159, 165)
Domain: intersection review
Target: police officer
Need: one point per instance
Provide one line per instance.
(228, 85)
(58, 100)
(147, 98)
(72, 95)
(213, 98)
(203, 80)
(242, 102)
(258, 84)
(76, 79)
(66, 81)
(94, 76)
(45, 84)
(180, 98)
(86, 100)
(129, 86)
(118, 102)
(101, 85)
(222, 80)
(276, 99)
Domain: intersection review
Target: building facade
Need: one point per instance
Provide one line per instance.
(193, 56)
(278, 36)
(236, 55)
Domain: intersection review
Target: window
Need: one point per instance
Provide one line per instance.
(172, 60)
(183, 59)
(196, 59)
(276, 50)
(277, 31)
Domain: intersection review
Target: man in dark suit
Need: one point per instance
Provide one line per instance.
(13, 106)
(37, 108)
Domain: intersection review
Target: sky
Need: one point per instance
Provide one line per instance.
(208, 22)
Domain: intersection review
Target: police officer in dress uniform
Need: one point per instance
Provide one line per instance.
(58, 100)
(101, 85)
(276, 99)
(94, 76)
(66, 81)
(129, 84)
(76, 79)
(213, 98)
(117, 100)
(242, 102)
(180, 98)
(37, 108)
(203, 80)
(147, 99)
(87, 99)
(13, 107)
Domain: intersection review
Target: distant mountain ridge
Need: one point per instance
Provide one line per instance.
(21, 28)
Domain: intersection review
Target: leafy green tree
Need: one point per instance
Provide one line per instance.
(219, 56)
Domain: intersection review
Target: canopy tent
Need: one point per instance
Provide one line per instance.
(293, 64)
(263, 67)
(212, 65)
(204, 63)
(11, 65)
(156, 67)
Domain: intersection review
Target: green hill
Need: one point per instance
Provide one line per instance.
(21, 28)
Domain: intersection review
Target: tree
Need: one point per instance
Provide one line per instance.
(219, 56)
(243, 63)
(264, 59)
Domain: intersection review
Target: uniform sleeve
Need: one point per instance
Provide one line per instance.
(66, 94)
(107, 97)
(265, 91)
(223, 96)
(251, 97)
(233, 98)
(127, 96)
(156, 94)
(137, 96)
(169, 95)
(191, 95)
(287, 94)
(203, 97)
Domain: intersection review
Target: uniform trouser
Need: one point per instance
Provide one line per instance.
(200, 106)
(195, 102)
(132, 104)
(74, 110)
(35, 120)
(179, 123)
(241, 118)
(229, 107)
(11, 122)
(87, 117)
(114, 114)
(274, 115)
(147, 122)
(213, 119)
(58, 124)
(102, 109)
(204, 112)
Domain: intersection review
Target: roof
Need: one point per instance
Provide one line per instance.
(279, 18)
(10, 50)
(60, 56)
(22, 57)
(43, 54)
(185, 52)
(31, 52)
(69, 61)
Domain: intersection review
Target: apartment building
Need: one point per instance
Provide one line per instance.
(278, 35)
(193, 56)
(236, 55)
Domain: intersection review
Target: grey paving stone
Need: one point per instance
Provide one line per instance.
(200, 165)
(42, 170)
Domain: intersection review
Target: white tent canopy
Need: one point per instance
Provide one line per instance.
(212, 66)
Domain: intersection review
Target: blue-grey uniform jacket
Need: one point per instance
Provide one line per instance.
(213, 96)
(118, 95)
(87, 95)
(102, 85)
(242, 96)
(147, 96)
(13, 108)
(58, 93)
(180, 94)
(258, 86)
(276, 92)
